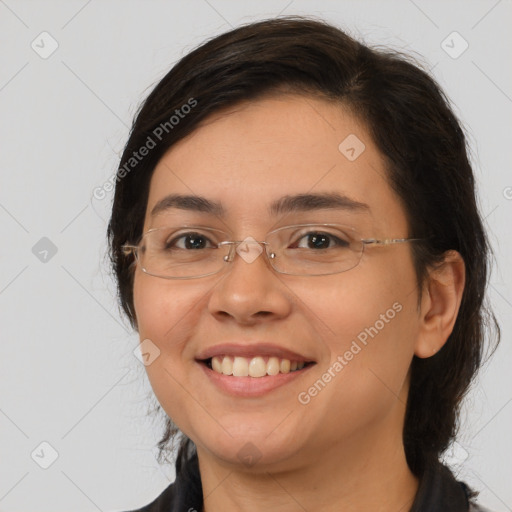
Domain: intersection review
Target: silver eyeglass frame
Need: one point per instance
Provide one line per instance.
(128, 249)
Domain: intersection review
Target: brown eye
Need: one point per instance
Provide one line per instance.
(190, 241)
(321, 240)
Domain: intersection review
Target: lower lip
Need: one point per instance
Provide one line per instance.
(251, 386)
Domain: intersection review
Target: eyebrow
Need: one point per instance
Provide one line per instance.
(285, 204)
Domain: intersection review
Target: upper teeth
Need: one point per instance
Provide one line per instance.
(258, 366)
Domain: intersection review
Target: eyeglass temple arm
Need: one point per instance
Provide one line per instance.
(389, 241)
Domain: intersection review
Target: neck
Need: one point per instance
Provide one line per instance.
(376, 478)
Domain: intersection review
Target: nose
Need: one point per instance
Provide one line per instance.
(249, 289)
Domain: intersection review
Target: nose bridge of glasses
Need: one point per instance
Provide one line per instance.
(249, 249)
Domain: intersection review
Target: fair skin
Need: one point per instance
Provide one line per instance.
(342, 450)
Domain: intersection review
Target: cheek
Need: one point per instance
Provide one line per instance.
(166, 317)
(160, 306)
(371, 322)
(370, 300)
(371, 348)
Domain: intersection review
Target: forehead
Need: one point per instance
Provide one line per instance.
(248, 156)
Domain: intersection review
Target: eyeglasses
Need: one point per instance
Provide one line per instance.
(187, 252)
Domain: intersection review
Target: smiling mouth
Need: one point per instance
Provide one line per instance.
(257, 367)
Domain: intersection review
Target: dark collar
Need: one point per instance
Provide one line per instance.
(438, 492)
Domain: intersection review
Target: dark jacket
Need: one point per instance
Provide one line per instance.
(438, 492)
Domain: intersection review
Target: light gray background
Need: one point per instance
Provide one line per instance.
(68, 374)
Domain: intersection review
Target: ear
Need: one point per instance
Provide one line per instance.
(440, 302)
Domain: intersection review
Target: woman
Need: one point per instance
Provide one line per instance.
(296, 240)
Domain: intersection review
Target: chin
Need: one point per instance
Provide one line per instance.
(256, 450)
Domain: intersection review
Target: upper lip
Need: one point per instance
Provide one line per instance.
(251, 350)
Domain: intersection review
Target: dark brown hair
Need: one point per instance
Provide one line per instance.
(414, 128)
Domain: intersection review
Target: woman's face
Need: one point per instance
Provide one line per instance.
(358, 327)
